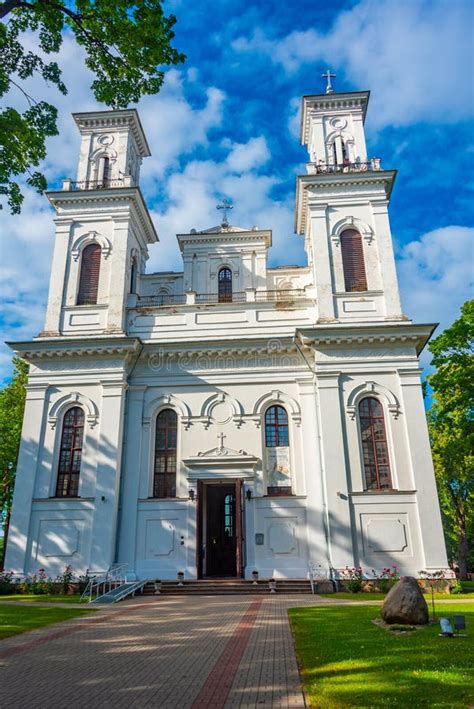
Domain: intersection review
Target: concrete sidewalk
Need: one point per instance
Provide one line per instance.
(221, 651)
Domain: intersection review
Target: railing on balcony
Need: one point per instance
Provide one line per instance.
(321, 167)
(250, 296)
(74, 186)
(146, 301)
(284, 295)
(212, 298)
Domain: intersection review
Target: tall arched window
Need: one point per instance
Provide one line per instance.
(70, 453)
(276, 427)
(89, 278)
(277, 460)
(103, 175)
(133, 276)
(164, 479)
(353, 261)
(374, 445)
(225, 285)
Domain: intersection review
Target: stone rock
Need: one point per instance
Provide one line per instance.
(405, 604)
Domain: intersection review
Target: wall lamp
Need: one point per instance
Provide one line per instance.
(192, 495)
(248, 494)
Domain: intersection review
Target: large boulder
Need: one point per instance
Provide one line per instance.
(405, 604)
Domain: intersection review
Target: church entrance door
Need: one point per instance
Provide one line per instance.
(221, 530)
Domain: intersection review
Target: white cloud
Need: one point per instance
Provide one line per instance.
(415, 56)
(435, 275)
(248, 156)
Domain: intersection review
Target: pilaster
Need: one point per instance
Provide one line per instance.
(19, 543)
(386, 258)
(322, 262)
(58, 279)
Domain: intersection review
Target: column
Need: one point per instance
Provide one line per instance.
(322, 262)
(311, 453)
(383, 240)
(59, 274)
(108, 475)
(334, 469)
(422, 468)
(117, 279)
(131, 470)
(17, 546)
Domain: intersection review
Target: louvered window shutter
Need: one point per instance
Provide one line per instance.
(89, 278)
(353, 261)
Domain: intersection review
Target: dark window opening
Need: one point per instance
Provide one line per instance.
(70, 453)
(353, 261)
(376, 461)
(89, 276)
(164, 479)
(225, 285)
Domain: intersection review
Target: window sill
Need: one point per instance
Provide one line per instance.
(382, 492)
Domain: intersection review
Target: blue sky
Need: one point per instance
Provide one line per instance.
(226, 123)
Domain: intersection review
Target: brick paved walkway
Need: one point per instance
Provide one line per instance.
(186, 652)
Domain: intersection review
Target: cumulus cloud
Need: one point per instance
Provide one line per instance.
(435, 275)
(415, 55)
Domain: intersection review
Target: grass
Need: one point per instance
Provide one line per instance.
(374, 596)
(42, 598)
(18, 619)
(347, 661)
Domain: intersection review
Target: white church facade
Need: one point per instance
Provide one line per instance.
(232, 417)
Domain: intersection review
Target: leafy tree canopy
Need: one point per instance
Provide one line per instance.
(12, 405)
(451, 424)
(125, 41)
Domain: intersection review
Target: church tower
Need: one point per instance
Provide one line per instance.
(342, 211)
(103, 228)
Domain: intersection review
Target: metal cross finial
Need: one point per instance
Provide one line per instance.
(221, 437)
(225, 206)
(327, 75)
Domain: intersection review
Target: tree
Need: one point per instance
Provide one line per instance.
(451, 425)
(125, 42)
(12, 406)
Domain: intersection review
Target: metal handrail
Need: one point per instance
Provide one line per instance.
(161, 299)
(317, 573)
(211, 298)
(322, 167)
(98, 583)
(266, 296)
(96, 184)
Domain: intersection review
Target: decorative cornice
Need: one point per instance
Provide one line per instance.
(58, 198)
(305, 183)
(93, 120)
(61, 347)
(225, 237)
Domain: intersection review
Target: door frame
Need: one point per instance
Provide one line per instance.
(201, 511)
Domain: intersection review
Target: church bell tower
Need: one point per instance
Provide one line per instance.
(342, 211)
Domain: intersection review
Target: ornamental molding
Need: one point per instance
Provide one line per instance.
(59, 408)
(91, 237)
(363, 228)
(372, 389)
(167, 401)
(219, 409)
(276, 397)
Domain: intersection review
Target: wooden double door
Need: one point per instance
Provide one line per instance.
(220, 530)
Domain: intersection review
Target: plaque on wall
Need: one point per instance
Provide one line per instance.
(278, 466)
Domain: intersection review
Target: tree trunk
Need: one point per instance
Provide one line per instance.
(463, 550)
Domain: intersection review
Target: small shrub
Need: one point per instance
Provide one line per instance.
(7, 586)
(66, 579)
(388, 578)
(353, 579)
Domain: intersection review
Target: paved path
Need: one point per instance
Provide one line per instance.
(196, 652)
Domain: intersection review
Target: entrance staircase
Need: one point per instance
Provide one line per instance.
(224, 587)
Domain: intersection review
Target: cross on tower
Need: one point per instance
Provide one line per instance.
(327, 75)
(225, 206)
(221, 438)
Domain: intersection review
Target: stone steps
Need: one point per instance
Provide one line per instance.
(219, 587)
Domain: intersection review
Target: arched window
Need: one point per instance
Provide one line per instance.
(133, 276)
(89, 278)
(340, 153)
(276, 427)
(353, 261)
(164, 479)
(374, 445)
(225, 285)
(70, 453)
(103, 176)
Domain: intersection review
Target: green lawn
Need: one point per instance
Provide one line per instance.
(18, 619)
(45, 598)
(346, 596)
(347, 661)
